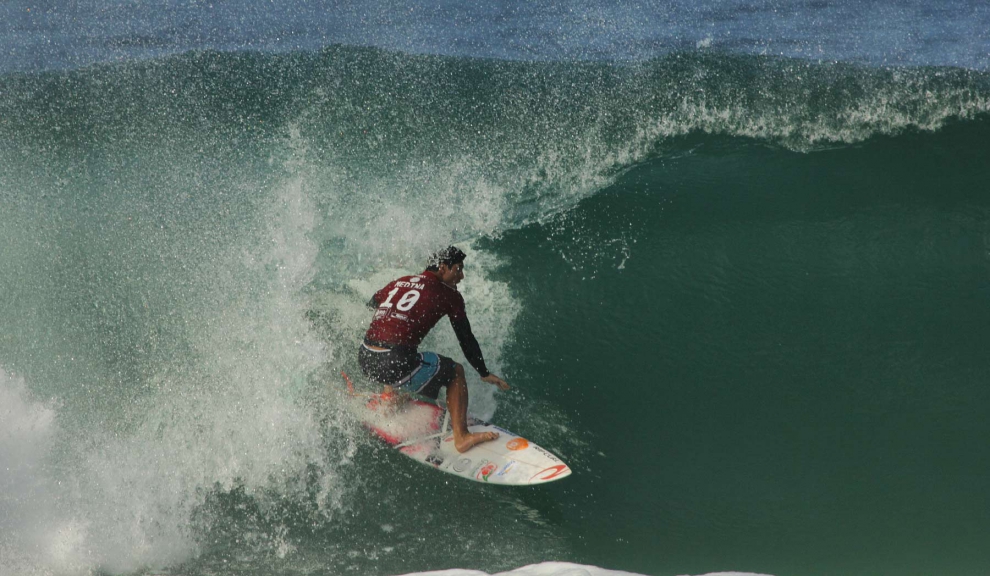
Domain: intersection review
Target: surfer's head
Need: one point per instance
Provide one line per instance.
(448, 264)
(451, 255)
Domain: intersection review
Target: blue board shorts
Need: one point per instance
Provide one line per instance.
(423, 373)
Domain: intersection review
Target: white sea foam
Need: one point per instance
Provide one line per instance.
(38, 535)
(27, 428)
(556, 569)
(234, 410)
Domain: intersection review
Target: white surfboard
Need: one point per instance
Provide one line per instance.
(421, 431)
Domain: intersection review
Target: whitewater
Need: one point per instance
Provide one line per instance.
(734, 260)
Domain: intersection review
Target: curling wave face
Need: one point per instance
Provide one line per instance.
(189, 242)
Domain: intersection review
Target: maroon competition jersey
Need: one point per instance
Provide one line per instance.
(408, 308)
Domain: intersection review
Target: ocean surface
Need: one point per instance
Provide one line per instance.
(732, 256)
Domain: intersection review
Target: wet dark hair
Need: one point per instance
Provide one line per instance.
(450, 256)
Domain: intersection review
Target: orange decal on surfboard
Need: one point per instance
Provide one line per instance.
(517, 444)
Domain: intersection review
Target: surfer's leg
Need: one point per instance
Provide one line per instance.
(457, 401)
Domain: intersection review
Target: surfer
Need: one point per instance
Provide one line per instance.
(405, 311)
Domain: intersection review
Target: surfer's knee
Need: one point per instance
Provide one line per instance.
(458, 380)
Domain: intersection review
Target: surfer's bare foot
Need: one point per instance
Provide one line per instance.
(469, 441)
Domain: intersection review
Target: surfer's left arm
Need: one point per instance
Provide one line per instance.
(472, 350)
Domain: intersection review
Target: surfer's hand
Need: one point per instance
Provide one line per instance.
(493, 379)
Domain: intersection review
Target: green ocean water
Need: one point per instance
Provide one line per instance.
(744, 297)
(781, 356)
